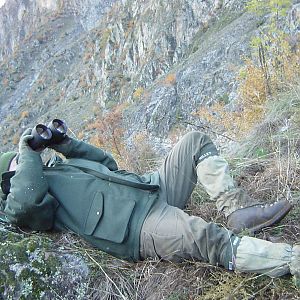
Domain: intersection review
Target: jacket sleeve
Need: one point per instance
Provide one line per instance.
(29, 204)
(79, 149)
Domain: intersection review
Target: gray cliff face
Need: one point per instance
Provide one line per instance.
(164, 58)
(207, 75)
(18, 19)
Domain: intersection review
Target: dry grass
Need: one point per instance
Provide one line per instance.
(115, 279)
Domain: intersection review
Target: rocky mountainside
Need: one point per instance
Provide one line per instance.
(19, 19)
(80, 59)
(72, 59)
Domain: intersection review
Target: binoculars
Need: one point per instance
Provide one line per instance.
(43, 135)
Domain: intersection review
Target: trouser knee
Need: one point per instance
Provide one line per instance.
(201, 144)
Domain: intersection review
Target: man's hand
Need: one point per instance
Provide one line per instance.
(23, 144)
(63, 146)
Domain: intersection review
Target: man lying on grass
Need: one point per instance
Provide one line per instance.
(136, 217)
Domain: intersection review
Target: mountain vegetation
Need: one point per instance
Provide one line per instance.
(133, 77)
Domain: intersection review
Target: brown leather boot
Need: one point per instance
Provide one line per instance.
(254, 218)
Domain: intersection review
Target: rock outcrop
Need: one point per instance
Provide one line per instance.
(32, 267)
(19, 19)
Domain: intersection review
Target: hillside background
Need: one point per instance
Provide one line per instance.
(133, 77)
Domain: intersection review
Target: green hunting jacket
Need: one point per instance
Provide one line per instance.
(85, 193)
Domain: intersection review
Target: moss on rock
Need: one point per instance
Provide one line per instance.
(31, 267)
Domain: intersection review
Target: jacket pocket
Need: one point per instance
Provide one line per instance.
(108, 219)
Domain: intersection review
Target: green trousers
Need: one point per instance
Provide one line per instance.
(171, 234)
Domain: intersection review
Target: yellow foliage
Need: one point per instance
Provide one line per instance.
(141, 157)
(80, 135)
(275, 66)
(87, 56)
(258, 82)
(5, 82)
(24, 114)
(291, 66)
(130, 27)
(231, 122)
(138, 93)
(253, 88)
(15, 139)
(104, 38)
(109, 131)
(253, 96)
(94, 140)
(170, 79)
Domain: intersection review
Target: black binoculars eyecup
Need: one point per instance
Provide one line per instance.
(58, 129)
(43, 135)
